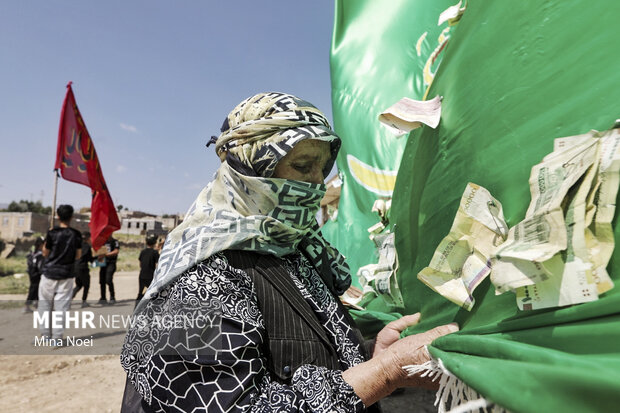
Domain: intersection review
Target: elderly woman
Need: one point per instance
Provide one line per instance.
(250, 258)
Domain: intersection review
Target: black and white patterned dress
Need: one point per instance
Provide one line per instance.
(237, 379)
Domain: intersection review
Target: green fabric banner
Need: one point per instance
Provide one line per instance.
(514, 76)
(376, 59)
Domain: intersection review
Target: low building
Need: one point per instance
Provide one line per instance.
(126, 213)
(15, 225)
(142, 226)
(169, 222)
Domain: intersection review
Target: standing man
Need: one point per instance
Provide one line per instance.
(148, 262)
(106, 273)
(82, 272)
(62, 247)
(35, 266)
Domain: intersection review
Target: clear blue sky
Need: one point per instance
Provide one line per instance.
(153, 81)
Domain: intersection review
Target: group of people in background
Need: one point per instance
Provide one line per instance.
(65, 254)
(106, 262)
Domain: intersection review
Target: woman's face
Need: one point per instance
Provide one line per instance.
(305, 162)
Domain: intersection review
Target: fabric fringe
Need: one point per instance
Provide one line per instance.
(453, 396)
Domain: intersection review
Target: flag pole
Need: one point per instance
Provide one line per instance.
(54, 199)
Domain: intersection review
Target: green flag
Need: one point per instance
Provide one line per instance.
(379, 51)
(514, 76)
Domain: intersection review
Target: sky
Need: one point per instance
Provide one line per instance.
(153, 81)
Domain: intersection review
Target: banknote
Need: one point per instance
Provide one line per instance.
(460, 262)
(551, 179)
(380, 278)
(600, 203)
(455, 270)
(534, 239)
(599, 234)
(509, 274)
(408, 114)
(352, 297)
(570, 279)
(585, 193)
(558, 291)
(592, 199)
(569, 142)
(598, 254)
(542, 233)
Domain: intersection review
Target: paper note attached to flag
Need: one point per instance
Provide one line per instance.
(408, 114)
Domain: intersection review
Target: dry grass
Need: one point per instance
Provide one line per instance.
(128, 259)
(129, 238)
(12, 285)
(131, 245)
(14, 265)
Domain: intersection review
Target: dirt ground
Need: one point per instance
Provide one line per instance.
(63, 382)
(69, 383)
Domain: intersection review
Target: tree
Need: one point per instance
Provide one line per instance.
(119, 208)
(29, 206)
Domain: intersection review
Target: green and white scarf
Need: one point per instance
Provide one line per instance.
(244, 208)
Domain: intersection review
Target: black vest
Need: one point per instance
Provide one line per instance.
(294, 334)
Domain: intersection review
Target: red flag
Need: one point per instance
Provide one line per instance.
(77, 161)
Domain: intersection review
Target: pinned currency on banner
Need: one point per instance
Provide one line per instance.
(571, 280)
(542, 233)
(380, 278)
(599, 235)
(585, 196)
(572, 287)
(509, 274)
(408, 114)
(460, 262)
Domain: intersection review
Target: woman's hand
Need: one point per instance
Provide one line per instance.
(412, 350)
(381, 375)
(391, 332)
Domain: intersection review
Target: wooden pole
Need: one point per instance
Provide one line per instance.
(56, 174)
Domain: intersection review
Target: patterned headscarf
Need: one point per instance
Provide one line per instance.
(244, 208)
(265, 127)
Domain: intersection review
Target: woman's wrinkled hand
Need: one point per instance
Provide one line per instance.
(376, 378)
(391, 332)
(408, 350)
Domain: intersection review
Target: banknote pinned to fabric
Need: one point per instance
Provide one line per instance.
(380, 278)
(558, 254)
(460, 262)
(408, 114)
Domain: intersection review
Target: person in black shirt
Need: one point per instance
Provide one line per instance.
(35, 265)
(148, 262)
(63, 245)
(106, 273)
(82, 272)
